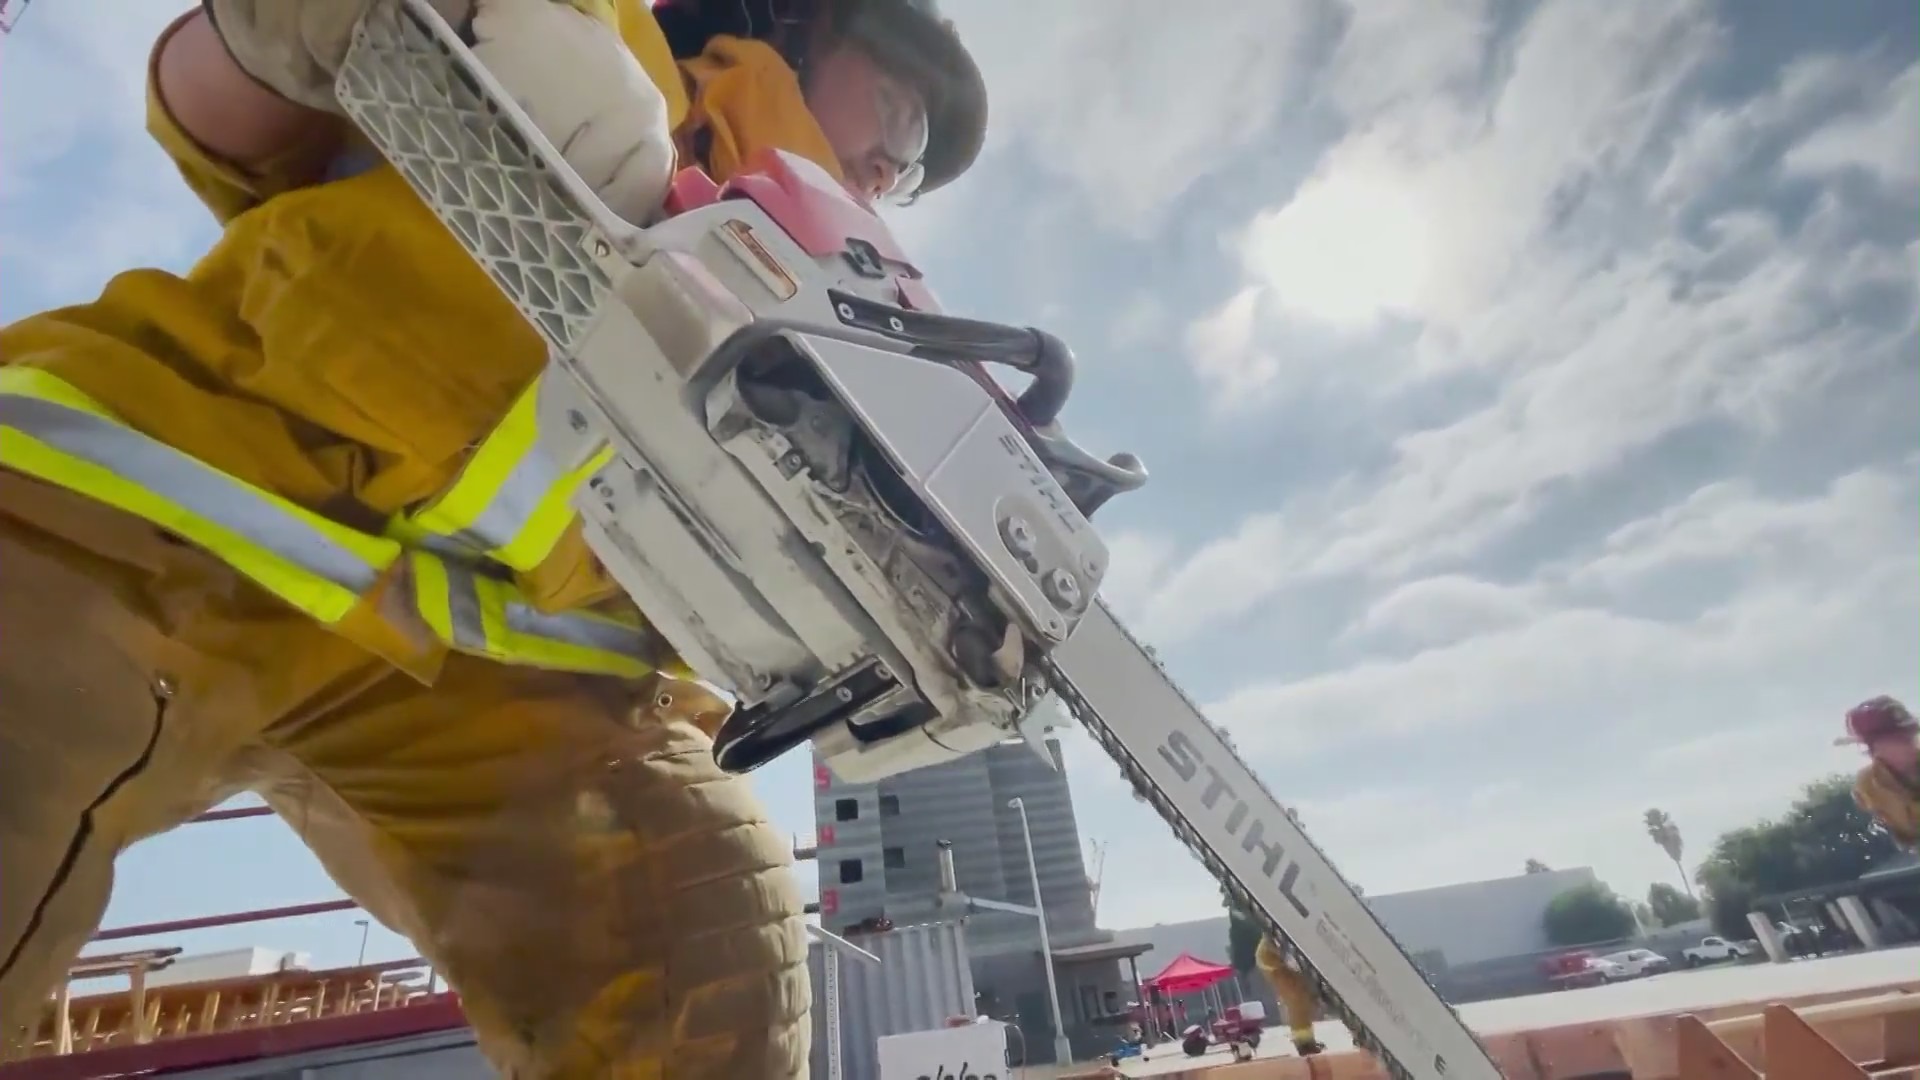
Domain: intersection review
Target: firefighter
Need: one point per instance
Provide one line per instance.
(281, 523)
(1294, 992)
(1888, 786)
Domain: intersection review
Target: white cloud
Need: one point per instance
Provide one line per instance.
(1131, 101)
(1444, 609)
(1823, 624)
(72, 113)
(1401, 53)
(1542, 242)
(1228, 355)
(1720, 140)
(1134, 562)
(1725, 780)
(1884, 139)
(1357, 243)
(1224, 578)
(1424, 211)
(1864, 516)
(1718, 716)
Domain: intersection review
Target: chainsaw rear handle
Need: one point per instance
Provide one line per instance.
(953, 340)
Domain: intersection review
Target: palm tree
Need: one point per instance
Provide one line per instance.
(1663, 831)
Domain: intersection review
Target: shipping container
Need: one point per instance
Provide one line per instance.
(923, 979)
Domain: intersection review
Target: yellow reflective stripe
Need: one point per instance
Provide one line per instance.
(551, 517)
(430, 594)
(488, 617)
(511, 502)
(51, 430)
(456, 510)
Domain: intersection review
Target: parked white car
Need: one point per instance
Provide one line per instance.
(1634, 963)
(1713, 950)
(1609, 971)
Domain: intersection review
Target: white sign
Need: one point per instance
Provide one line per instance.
(974, 1052)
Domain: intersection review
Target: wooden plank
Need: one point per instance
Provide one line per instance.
(1702, 1056)
(1578, 1047)
(1900, 1039)
(1648, 1046)
(1795, 1049)
(1857, 1028)
(1852, 1009)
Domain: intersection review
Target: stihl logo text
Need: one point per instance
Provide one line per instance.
(1241, 821)
(1042, 481)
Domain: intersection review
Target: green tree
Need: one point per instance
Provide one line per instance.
(1834, 839)
(1243, 935)
(1643, 919)
(1824, 838)
(1664, 832)
(1746, 863)
(1535, 866)
(1669, 906)
(1585, 914)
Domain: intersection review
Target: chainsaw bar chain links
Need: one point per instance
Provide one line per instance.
(1138, 777)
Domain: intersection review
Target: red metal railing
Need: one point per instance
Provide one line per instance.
(204, 922)
(142, 1030)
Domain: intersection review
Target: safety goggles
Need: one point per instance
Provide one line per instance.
(904, 134)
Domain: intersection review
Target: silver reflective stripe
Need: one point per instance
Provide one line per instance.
(517, 498)
(202, 491)
(464, 606)
(514, 504)
(592, 633)
(463, 610)
(460, 548)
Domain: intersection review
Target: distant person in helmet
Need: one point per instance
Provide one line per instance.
(281, 523)
(1889, 786)
(1295, 993)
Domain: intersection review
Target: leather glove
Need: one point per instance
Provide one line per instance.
(563, 61)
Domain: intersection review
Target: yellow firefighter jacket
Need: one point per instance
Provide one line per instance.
(1893, 800)
(336, 400)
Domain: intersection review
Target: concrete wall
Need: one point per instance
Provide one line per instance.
(1445, 927)
(1476, 921)
(1475, 940)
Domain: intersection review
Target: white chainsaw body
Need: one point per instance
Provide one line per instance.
(747, 512)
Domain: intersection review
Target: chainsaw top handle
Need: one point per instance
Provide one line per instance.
(951, 339)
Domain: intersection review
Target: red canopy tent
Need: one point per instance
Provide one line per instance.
(1188, 975)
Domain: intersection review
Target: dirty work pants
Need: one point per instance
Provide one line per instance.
(606, 901)
(1295, 994)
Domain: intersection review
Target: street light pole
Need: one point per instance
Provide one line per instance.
(1062, 1049)
(365, 926)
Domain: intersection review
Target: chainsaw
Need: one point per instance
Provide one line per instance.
(827, 503)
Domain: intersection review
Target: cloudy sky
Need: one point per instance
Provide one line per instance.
(1530, 391)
